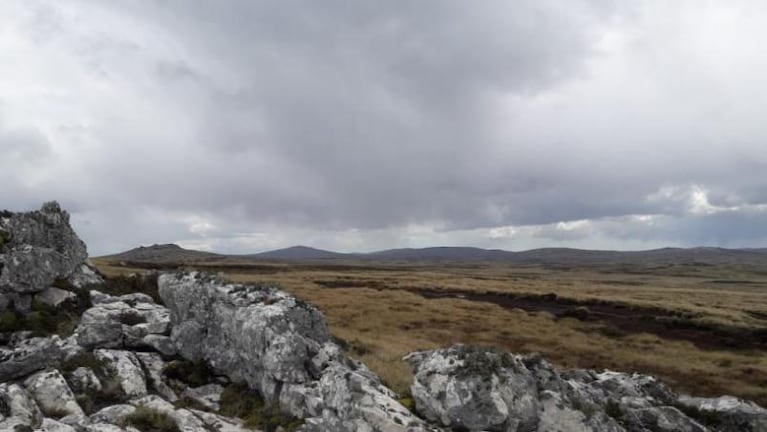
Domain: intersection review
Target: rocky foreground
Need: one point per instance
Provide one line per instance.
(188, 351)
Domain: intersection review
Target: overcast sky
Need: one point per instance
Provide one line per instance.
(244, 125)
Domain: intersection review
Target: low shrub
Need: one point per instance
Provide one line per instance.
(44, 319)
(353, 347)
(111, 390)
(194, 374)
(613, 409)
(147, 419)
(238, 400)
(4, 238)
(708, 418)
(129, 284)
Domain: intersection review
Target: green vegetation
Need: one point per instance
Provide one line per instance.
(191, 373)
(708, 418)
(84, 359)
(238, 400)
(146, 419)
(4, 238)
(44, 319)
(111, 391)
(55, 413)
(382, 306)
(407, 401)
(354, 347)
(613, 409)
(587, 408)
(129, 284)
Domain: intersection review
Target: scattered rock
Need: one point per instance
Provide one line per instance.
(53, 296)
(112, 414)
(84, 276)
(282, 349)
(17, 407)
(184, 419)
(154, 366)
(51, 425)
(469, 388)
(128, 370)
(207, 396)
(123, 322)
(28, 356)
(52, 394)
(728, 413)
(83, 379)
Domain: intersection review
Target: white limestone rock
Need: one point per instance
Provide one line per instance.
(128, 370)
(53, 395)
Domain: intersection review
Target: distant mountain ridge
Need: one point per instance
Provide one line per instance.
(299, 253)
(158, 253)
(552, 256)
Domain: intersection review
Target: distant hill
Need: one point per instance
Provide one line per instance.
(159, 253)
(298, 253)
(545, 256)
(441, 254)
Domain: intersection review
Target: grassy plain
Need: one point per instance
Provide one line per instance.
(380, 311)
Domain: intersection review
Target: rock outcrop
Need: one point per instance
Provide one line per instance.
(280, 346)
(38, 249)
(480, 389)
(125, 360)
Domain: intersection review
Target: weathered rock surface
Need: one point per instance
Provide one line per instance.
(281, 347)
(29, 355)
(83, 380)
(153, 364)
(126, 366)
(128, 321)
(52, 393)
(53, 296)
(730, 412)
(40, 248)
(475, 389)
(17, 408)
(207, 396)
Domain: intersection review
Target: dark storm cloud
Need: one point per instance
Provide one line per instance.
(398, 122)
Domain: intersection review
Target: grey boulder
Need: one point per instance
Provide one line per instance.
(53, 395)
(28, 356)
(281, 347)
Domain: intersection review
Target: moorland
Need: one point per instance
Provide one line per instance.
(698, 323)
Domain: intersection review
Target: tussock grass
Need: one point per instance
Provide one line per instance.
(377, 310)
(238, 400)
(146, 419)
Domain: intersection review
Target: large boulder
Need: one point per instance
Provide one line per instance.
(482, 389)
(127, 369)
(53, 395)
(127, 321)
(730, 413)
(281, 347)
(29, 355)
(17, 408)
(38, 248)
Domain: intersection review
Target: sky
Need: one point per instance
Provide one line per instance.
(245, 125)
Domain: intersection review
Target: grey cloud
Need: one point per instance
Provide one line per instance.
(301, 117)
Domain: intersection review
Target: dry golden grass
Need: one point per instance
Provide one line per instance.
(382, 319)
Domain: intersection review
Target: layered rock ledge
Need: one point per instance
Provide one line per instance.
(281, 347)
(482, 389)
